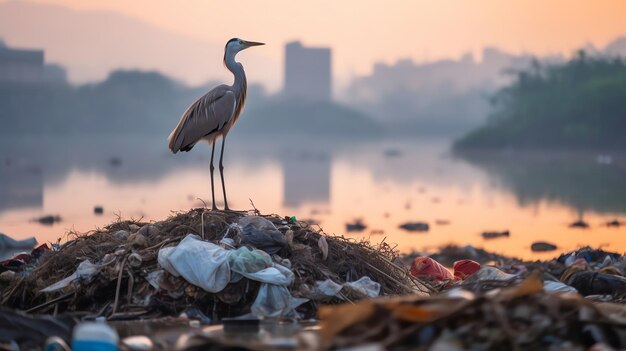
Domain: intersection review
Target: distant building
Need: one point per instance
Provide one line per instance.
(307, 72)
(27, 66)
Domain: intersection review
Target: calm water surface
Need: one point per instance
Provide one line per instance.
(383, 182)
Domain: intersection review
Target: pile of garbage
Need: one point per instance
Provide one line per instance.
(213, 263)
(522, 317)
(593, 273)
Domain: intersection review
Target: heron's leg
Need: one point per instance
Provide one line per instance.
(213, 207)
(222, 174)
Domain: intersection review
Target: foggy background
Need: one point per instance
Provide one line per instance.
(535, 113)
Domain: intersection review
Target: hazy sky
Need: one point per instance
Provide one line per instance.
(362, 32)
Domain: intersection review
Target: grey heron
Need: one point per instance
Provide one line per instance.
(214, 113)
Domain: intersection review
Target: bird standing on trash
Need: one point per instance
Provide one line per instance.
(213, 114)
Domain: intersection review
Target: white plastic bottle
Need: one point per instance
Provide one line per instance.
(94, 336)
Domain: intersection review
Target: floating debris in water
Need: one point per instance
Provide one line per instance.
(48, 219)
(614, 223)
(415, 226)
(542, 246)
(496, 234)
(579, 224)
(357, 226)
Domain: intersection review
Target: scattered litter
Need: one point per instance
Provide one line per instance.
(488, 273)
(493, 235)
(522, 317)
(262, 234)
(542, 246)
(203, 259)
(365, 286)
(415, 226)
(465, 268)
(138, 343)
(201, 263)
(31, 331)
(596, 283)
(427, 268)
(10, 246)
(98, 335)
(558, 287)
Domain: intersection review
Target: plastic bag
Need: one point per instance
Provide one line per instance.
(558, 287)
(85, 272)
(245, 262)
(260, 233)
(275, 301)
(426, 267)
(489, 273)
(326, 288)
(365, 286)
(201, 263)
(10, 246)
(465, 268)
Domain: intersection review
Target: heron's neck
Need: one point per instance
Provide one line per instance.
(240, 75)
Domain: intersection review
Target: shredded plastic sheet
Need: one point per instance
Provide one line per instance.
(365, 286)
(85, 271)
(490, 273)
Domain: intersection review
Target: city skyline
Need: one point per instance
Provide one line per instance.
(420, 31)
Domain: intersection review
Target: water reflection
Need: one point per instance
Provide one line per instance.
(576, 180)
(330, 181)
(21, 186)
(306, 178)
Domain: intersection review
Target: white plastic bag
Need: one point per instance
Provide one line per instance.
(275, 301)
(558, 287)
(365, 286)
(85, 271)
(201, 263)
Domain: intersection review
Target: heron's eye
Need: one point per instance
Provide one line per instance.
(240, 42)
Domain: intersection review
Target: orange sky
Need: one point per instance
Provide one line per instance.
(362, 32)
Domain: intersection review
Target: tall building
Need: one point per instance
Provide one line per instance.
(27, 66)
(307, 72)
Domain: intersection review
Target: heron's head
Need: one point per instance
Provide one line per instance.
(235, 45)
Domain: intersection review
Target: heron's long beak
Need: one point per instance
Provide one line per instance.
(252, 43)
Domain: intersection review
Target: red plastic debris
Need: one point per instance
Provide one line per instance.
(465, 268)
(426, 267)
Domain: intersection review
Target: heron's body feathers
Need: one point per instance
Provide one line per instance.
(207, 118)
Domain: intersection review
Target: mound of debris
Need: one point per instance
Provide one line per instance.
(215, 263)
(523, 317)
